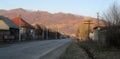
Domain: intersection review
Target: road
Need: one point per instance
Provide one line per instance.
(31, 50)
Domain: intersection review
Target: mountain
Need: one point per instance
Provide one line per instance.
(66, 23)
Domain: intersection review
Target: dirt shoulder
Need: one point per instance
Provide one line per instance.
(98, 52)
(74, 52)
(90, 50)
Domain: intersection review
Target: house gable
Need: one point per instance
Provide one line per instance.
(9, 22)
(3, 25)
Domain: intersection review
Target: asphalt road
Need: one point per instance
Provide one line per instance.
(31, 50)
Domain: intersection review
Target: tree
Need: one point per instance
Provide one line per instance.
(112, 16)
(83, 31)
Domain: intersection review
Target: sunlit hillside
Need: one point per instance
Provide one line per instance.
(65, 23)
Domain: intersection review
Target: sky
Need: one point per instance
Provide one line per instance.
(79, 7)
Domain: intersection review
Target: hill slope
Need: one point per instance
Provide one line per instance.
(65, 22)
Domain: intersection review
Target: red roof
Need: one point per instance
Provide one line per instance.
(20, 22)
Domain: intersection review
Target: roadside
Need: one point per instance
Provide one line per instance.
(6, 44)
(2, 44)
(90, 50)
(98, 52)
(74, 52)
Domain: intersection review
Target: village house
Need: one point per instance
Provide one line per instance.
(26, 30)
(38, 32)
(41, 32)
(99, 35)
(8, 30)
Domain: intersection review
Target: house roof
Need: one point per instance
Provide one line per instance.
(20, 22)
(100, 27)
(36, 26)
(8, 22)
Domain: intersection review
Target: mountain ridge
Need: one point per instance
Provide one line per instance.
(67, 23)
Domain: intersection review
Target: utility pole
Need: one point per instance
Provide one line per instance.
(98, 25)
(89, 22)
(98, 19)
(19, 28)
(43, 30)
(59, 35)
(56, 32)
(46, 33)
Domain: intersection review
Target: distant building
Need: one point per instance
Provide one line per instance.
(8, 29)
(25, 28)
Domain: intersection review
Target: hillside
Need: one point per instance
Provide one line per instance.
(66, 23)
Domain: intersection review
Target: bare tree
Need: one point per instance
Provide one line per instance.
(112, 16)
